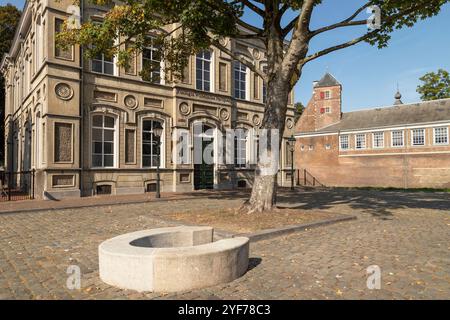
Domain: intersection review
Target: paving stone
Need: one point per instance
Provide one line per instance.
(406, 235)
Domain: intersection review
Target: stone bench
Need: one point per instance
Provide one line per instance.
(172, 259)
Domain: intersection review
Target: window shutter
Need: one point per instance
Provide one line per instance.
(322, 110)
(322, 95)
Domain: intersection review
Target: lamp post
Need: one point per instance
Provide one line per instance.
(291, 141)
(157, 131)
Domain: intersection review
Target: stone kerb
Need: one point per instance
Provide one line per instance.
(172, 259)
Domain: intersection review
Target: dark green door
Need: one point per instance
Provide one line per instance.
(204, 173)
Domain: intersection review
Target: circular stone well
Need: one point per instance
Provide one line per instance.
(172, 259)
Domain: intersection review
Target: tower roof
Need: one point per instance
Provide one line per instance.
(327, 81)
(398, 97)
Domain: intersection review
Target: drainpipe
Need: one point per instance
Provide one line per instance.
(80, 143)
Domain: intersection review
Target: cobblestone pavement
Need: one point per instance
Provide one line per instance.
(407, 235)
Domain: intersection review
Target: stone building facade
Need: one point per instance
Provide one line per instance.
(403, 146)
(86, 126)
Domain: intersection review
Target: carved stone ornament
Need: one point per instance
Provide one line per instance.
(224, 114)
(256, 120)
(64, 91)
(223, 41)
(256, 54)
(130, 101)
(289, 123)
(184, 108)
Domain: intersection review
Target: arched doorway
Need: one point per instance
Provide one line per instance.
(203, 166)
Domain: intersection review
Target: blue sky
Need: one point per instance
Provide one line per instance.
(369, 76)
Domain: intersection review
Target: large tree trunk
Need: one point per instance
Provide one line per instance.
(263, 196)
(280, 76)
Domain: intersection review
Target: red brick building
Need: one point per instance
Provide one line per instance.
(404, 145)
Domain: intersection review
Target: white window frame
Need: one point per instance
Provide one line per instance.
(246, 79)
(328, 109)
(348, 142)
(211, 70)
(356, 141)
(373, 140)
(152, 48)
(392, 139)
(245, 145)
(115, 137)
(327, 95)
(434, 136)
(162, 160)
(424, 137)
(102, 60)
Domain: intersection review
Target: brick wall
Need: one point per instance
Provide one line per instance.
(408, 167)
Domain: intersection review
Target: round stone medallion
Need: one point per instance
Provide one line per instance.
(224, 114)
(130, 101)
(256, 120)
(289, 123)
(63, 91)
(256, 54)
(184, 108)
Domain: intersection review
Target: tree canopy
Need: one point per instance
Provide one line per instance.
(435, 85)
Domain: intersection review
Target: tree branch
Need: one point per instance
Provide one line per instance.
(253, 7)
(298, 48)
(346, 22)
(249, 26)
(290, 26)
(251, 66)
(337, 47)
(362, 38)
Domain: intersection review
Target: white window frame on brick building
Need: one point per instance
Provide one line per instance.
(360, 141)
(440, 136)
(327, 109)
(344, 142)
(378, 140)
(397, 136)
(418, 137)
(327, 95)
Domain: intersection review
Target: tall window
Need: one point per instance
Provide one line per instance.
(240, 84)
(327, 94)
(151, 63)
(344, 142)
(397, 138)
(240, 148)
(103, 64)
(203, 71)
(360, 142)
(378, 139)
(59, 52)
(150, 143)
(418, 137)
(441, 135)
(103, 136)
(37, 145)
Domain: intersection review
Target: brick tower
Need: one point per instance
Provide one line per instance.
(324, 108)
